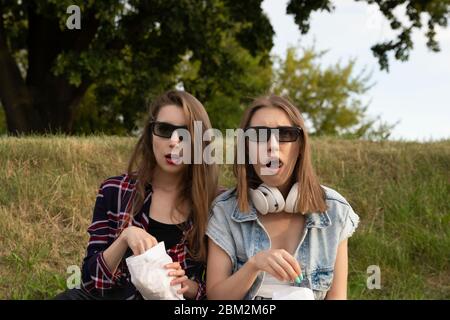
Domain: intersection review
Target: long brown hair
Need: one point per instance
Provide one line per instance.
(200, 180)
(311, 196)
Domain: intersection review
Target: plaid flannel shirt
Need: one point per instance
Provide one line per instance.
(112, 205)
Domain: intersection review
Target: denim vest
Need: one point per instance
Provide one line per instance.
(242, 235)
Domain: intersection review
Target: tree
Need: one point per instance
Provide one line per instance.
(329, 98)
(236, 79)
(128, 49)
(436, 11)
(3, 129)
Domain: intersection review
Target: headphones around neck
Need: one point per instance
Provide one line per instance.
(269, 199)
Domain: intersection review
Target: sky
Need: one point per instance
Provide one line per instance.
(415, 93)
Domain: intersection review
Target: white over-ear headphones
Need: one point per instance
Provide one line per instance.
(269, 199)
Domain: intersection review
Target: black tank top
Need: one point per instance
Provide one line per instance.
(171, 234)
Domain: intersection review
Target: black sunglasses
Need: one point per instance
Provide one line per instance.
(262, 134)
(164, 129)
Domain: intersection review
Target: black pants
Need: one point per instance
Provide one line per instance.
(75, 294)
(79, 294)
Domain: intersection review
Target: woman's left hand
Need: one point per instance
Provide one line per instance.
(180, 278)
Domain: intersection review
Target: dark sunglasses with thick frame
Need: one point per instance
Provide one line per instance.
(285, 133)
(164, 129)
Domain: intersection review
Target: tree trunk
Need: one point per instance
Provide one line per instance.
(42, 111)
(43, 102)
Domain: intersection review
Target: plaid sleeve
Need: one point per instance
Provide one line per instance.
(201, 292)
(195, 270)
(96, 276)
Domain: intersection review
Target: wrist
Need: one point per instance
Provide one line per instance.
(123, 240)
(191, 293)
(252, 264)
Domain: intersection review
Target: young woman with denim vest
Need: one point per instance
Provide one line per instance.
(160, 198)
(297, 236)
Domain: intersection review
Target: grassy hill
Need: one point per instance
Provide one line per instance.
(399, 189)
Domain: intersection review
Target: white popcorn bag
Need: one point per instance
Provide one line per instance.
(150, 277)
(293, 293)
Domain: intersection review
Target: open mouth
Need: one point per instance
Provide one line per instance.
(173, 159)
(274, 163)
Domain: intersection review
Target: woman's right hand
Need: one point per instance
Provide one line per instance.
(138, 240)
(278, 262)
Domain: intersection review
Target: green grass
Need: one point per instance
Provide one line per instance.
(399, 189)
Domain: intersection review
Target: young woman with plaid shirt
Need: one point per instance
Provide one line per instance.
(160, 198)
